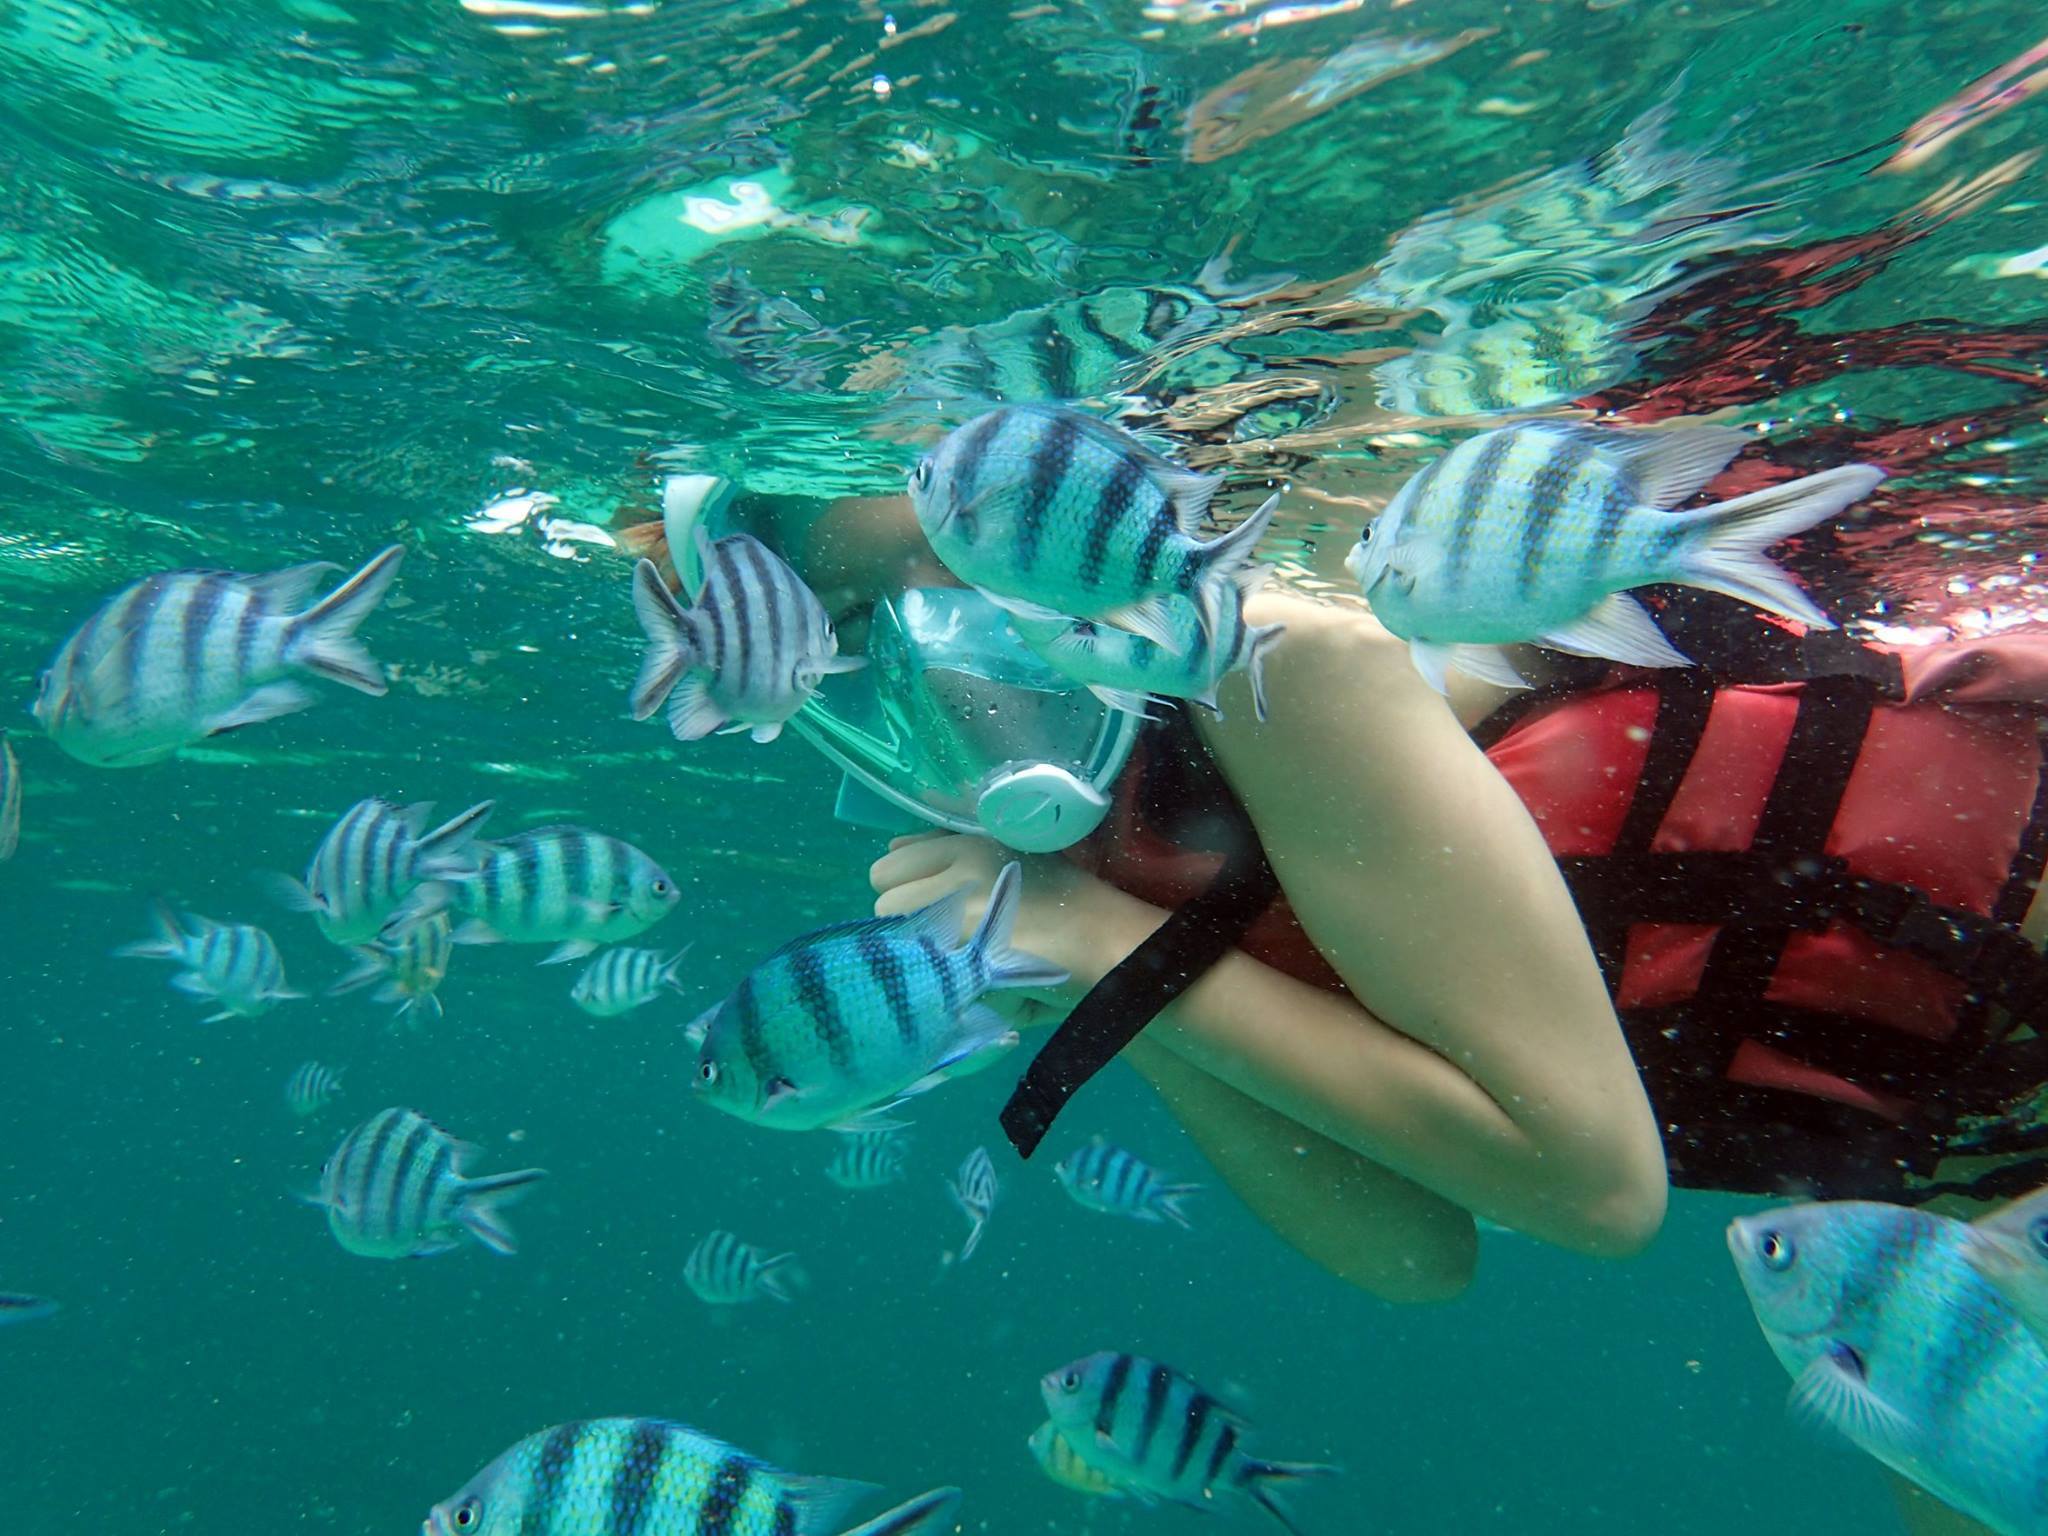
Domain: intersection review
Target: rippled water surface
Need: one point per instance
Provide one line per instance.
(295, 280)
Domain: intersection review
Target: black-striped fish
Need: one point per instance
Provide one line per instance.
(837, 1025)
(653, 1477)
(867, 1160)
(1132, 673)
(1050, 506)
(974, 1190)
(10, 800)
(310, 1086)
(1534, 533)
(560, 885)
(620, 980)
(745, 655)
(374, 857)
(725, 1271)
(411, 961)
(1059, 1461)
(1158, 1435)
(1106, 1178)
(184, 655)
(395, 1189)
(16, 1307)
(232, 964)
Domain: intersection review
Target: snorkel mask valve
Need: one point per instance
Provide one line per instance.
(1039, 807)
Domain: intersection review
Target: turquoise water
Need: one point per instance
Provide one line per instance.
(294, 281)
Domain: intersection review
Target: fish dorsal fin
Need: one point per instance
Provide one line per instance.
(939, 922)
(1190, 494)
(551, 829)
(823, 1503)
(1672, 463)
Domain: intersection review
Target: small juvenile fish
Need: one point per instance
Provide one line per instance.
(17, 1308)
(867, 1160)
(1109, 1179)
(620, 980)
(184, 655)
(2009, 1248)
(1052, 507)
(310, 1086)
(395, 1189)
(653, 1477)
(10, 801)
(1059, 1461)
(234, 964)
(845, 1021)
(374, 857)
(746, 655)
(1534, 533)
(1130, 672)
(410, 959)
(1895, 1340)
(725, 1271)
(1158, 1435)
(974, 1190)
(561, 885)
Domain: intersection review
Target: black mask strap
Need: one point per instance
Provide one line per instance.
(1145, 981)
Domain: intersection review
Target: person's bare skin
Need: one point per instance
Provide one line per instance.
(1477, 1066)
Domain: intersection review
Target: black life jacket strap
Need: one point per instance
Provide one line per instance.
(1195, 937)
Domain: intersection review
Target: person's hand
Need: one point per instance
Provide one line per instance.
(1064, 915)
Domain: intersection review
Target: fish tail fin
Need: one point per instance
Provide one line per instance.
(990, 946)
(925, 1515)
(1257, 643)
(1261, 1479)
(169, 943)
(481, 1199)
(671, 632)
(1221, 562)
(670, 975)
(1167, 1202)
(979, 1225)
(780, 1277)
(445, 850)
(1726, 551)
(323, 638)
(371, 965)
(287, 892)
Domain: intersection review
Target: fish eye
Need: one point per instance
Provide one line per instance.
(707, 1072)
(1365, 534)
(921, 476)
(1070, 1381)
(467, 1514)
(661, 887)
(1775, 1249)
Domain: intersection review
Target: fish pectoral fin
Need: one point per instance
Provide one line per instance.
(1834, 1393)
(1129, 700)
(1151, 620)
(767, 731)
(1431, 660)
(266, 703)
(877, 1118)
(1618, 628)
(775, 1090)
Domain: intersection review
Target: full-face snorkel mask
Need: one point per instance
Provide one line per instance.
(955, 723)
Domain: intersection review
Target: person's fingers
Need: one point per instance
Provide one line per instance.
(920, 837)
(897, 900)
(915, 860)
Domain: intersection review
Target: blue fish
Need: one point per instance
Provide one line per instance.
(372, 859)
(233, 964)
(410, 959)
(1895, 1340)
(1106, 1178)
(18, 1308)
(726, 1271)
(395, 1189)
(974, 1190)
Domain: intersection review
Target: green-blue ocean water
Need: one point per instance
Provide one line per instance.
(294, 280)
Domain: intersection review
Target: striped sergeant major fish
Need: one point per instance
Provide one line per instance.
(653, 1477)
(620, 980)
(310, 1086)
(374, 857)
(974, 1190)
(867, 1160)
(15, 1307)
(1132, 673)
(232, 964)
(745, 655)
(1058, 1460)
(395, 1189)
(1534, 534)
(410, 959)
(1895, 1340)
(1159, 1436)
(184, 655)
(560, 885)
(10, 800)
(1106, 1178)
(1052, 507)
(836, 1026)
(725, 1271)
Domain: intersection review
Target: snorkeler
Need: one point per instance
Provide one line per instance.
(1767, 921)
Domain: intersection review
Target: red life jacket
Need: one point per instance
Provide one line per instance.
(1805, 894)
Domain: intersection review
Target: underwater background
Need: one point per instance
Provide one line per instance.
(294, 280)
